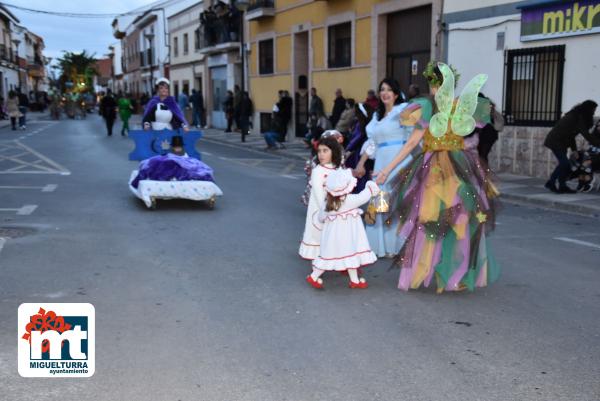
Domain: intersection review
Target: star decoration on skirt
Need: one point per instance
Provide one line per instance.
(481, 217)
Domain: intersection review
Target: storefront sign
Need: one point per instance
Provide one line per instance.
(560, 18)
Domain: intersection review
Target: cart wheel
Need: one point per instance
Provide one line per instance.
(211, 203)
(153, 204)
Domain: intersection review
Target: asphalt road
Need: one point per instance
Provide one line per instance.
(199, 304)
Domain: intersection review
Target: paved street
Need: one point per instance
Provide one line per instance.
(200, 304)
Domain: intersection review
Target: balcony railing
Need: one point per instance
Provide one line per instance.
(260, 9)
(220, 27)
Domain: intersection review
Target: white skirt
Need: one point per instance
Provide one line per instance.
(344, 244)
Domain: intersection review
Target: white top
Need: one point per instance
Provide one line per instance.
(344, 243)
(163, 118)
(309, 247)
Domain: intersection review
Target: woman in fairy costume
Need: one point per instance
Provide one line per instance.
(444, 199)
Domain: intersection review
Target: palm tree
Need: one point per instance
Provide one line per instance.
(78, 69)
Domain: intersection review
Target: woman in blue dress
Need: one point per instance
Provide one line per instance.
(386, 137)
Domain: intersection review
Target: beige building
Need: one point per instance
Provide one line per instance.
(187, 68)
(351, 44)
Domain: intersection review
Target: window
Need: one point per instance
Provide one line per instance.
(197, 39)
(533, 85)
(185, 43)
(175, 46)
(340, 45)
(265, 54)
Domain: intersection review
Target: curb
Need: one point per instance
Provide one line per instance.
(280, 153)
(550, 205)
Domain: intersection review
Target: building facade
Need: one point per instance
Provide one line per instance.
(351, 45)
(541, 59)
(187, 68)
(9, 76)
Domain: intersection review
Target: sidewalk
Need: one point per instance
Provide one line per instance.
(31, 116)
(524, 190)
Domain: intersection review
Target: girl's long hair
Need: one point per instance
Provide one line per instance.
(334, 203)
(395, 86)
(336, 150)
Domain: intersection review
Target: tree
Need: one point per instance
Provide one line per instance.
(77, 69)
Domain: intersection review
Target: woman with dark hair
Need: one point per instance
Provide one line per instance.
(162, 111)
(387, 137)
(577, 121)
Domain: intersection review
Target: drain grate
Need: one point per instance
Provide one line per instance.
(16, 232)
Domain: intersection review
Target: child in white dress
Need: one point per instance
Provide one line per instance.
(329, 152)
(344, 243)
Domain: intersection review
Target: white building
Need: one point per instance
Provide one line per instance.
(542, 58)
(9, 78)
(145, 43)
(187, 63)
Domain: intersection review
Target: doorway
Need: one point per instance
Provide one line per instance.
(409, 46)
(218, 77)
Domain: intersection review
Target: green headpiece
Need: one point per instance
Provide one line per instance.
(433, 79)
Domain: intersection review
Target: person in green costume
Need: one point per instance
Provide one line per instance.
(125, 111)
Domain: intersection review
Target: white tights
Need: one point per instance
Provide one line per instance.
(352, 273)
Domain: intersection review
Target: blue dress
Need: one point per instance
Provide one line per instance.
(389, 136)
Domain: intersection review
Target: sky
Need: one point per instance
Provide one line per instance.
(73, 34)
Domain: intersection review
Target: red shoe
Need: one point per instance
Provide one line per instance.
(314, 284)
(362, 283)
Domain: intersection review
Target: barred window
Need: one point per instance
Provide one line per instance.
(533, 85)
(265, 55)
(340, 45)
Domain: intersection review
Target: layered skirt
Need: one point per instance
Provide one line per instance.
(445, 204)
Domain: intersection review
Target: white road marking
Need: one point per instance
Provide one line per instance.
(578, 242)
(26, 210)
(206, 153)
(22, 211)
(290, 176)
(2, 242)
(47, 188)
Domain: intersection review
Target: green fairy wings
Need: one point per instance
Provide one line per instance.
(461, 120)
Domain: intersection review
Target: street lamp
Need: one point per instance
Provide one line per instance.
(112, 66)
(242, 5)
(17, 42)
(150, 37)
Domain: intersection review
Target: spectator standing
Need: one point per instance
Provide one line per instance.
(316, 104)
(237, 98)
(108, 110)
(347, 119)
(372, 100)
(228, 108)
(339, 105)
(12, 109)
(246, 109)
(23, 107)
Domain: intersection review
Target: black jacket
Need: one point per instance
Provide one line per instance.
(562, 136)
(339, 105)
(108, 107)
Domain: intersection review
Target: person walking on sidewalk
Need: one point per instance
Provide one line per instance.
(228, 108)
(125, 110)
(108, 110)
(246, 109)
(197, 102)
(577, 121)
(23, 107)
(12, 109)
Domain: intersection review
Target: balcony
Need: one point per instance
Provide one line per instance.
(7, 54)
(259, 9)
(219, 30)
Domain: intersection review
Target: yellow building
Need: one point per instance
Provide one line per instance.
(349, 44)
